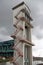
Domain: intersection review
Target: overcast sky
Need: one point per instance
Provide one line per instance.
(6, 22)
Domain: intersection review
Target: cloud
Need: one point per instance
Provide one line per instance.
(38, 48)
(38, 32)
(4, 31)
(40, 5)
(6, 22)
(4, 36)
(36, 7)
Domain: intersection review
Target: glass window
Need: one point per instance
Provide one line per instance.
(26, 56)
(0, 47)
(8, 47)
(4, 47)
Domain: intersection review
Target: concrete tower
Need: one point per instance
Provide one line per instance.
(22, 35)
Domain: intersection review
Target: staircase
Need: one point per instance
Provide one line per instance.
(15, 47)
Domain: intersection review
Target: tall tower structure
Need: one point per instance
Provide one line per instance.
(22, 35)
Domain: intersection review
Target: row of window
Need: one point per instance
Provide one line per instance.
(5, 47)
(6, 54)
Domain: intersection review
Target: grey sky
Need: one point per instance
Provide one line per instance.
(36, 7)
(6, 15)
(6, 20)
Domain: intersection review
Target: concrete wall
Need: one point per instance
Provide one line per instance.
(23, 34)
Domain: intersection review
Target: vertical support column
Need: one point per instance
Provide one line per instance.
(23, 53)
(23, 43)
(30, 55)
(24, 36)
(30, 46)
(29, 34)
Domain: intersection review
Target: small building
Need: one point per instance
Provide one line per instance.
(6, 51)
(37, 61)
(40, 64)
(22, 34)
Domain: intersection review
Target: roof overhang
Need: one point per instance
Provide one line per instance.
(20, 4)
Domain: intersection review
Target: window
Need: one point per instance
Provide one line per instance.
(27, 31)
(27, 17)
(1, 54)
(4, 48)
(9, 47)
(26, 56)
(0, 47)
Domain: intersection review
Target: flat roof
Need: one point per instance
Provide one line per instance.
(7, 42)
(18, 5)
